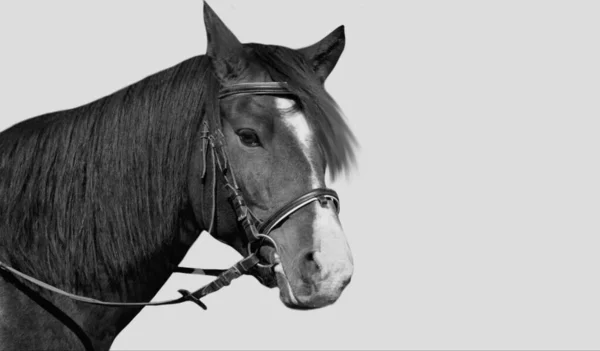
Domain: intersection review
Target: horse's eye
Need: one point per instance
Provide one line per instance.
(248, 137)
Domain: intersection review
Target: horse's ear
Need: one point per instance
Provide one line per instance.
(223, 48)
(324, 55)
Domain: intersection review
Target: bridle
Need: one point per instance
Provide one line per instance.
(256, 230)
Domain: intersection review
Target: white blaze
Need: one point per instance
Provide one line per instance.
(325, 220)
(296, 122)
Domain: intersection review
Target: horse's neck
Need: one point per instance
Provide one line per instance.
(151, 275)
(101, 324)
(141, 288)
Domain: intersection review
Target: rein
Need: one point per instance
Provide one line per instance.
(255, 229)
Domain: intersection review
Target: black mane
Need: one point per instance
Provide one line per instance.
(104, 184)
(105, 180)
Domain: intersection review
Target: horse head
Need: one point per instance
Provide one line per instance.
(280, 147)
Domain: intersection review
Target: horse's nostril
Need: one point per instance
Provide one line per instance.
(311, 259)
(345, 282)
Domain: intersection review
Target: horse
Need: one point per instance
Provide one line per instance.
(100, 203)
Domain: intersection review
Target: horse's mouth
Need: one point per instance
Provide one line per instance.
(286, 294)
(274, 276)
(266, 276)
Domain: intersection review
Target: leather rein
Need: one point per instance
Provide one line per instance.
(257, 231)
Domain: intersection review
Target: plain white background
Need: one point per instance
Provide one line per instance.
(473, 213)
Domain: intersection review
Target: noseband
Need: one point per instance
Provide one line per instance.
(256, 230)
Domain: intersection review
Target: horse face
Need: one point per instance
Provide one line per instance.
(275, 157)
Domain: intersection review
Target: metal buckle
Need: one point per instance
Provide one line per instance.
(261, 241)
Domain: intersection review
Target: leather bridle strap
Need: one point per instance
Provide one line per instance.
(242, 211)
(264, 88)
(323, 195)
(50, 308)
(225, 277)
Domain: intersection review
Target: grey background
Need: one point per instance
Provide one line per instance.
(473, 214)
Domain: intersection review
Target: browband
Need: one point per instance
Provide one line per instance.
(265, 88)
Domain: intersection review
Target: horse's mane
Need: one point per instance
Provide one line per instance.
(104, 184)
